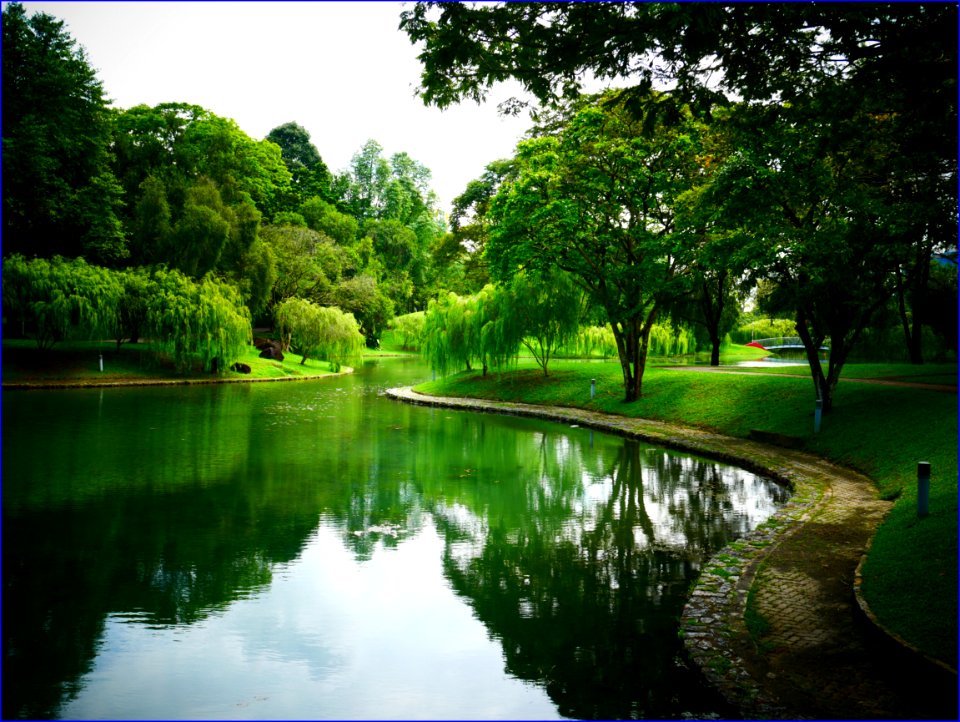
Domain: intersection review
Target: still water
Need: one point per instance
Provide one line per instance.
(314, 550)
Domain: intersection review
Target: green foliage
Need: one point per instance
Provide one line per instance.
(545, 309)
(397, 211)
(840, 163)
(197, 188)
(409, 327)
(60, 196)
(309, 175)
(196, 321)
(446, 340)
(193, 321)
(308, 263)
(55, 298)
(362, 296)
(597, 200)
(131, 312)
(401, 260)
(763, 327)
(765, 52)
(318, 331)
(819, 193)
(592, 340)
(324, 218)
(669, 340)
(202, 232)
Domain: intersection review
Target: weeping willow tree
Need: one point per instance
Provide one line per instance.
(460, 331)
(446, 336)
(409, 329)
(55, 298)
(500, 327)
(203, 322)
(669, 340)
(595, 339)
(316, 331)
(547, 306)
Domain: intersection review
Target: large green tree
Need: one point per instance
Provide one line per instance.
(308, 263)
(719, 259)
(892, 60)
(460, 331)
(60, 196)
(318, 331)
(545, 311)
(598, 201)
(309, 174)
(196, 322)
(463, 247)
(197, 189)
(702, 50)
(362, 296)
(813, 212)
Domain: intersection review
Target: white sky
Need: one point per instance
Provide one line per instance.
(342, 70)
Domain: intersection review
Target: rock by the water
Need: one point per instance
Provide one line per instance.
(270, 349)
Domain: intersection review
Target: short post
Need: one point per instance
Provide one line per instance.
(818, 411)
(101, 362)
(593, 388)
(923, 488)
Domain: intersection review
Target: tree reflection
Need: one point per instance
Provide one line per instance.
(576, 552)
(589, 608)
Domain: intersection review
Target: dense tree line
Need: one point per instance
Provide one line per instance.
(175, 189)
(805, 154)
(808, 147)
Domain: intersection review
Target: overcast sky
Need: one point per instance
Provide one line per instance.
(342, 70)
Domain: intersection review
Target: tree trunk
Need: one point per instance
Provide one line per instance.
(712, 313)
(632, 340)
(715, 350)
(811, 346)
(626, 351)
(912, 333)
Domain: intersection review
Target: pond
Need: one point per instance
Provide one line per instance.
(314, 550)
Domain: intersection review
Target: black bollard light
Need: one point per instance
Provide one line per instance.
(923, 488)
(593, 388)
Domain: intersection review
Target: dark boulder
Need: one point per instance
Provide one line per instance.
(272, 352)
(269, 349)
(241, 368)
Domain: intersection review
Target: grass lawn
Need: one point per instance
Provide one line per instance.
(883, 431)
(79, 362)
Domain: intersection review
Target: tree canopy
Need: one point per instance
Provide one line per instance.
(597, 201)
(60, 196)
(844, 153)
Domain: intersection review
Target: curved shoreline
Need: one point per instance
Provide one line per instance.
(713, 624)
(60, 385)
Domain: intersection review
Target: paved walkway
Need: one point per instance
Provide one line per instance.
(821, 658)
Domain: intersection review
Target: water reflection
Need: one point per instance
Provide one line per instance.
(584, 596)
(133, 511)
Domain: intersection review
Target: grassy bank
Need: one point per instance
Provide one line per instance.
(79, 362)
(882, 431)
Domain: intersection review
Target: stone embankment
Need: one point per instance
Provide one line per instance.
(819, 657)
